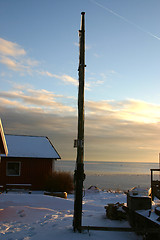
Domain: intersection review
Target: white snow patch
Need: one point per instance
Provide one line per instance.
(41, 217)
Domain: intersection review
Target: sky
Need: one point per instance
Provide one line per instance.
(39, 57)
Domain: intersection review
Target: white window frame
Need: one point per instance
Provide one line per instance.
(12, 175)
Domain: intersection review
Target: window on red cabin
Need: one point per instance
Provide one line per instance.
(13, 169)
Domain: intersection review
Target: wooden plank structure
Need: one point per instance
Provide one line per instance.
(18, 187)
(143, 224)
(143, 220)
(79, 171)
(139, 202)
(56, 194)
(155, 184)
(3, 145)
(111, 229)
(140, 224)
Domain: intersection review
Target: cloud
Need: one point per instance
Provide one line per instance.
(40, 112)
(61, 130)
(95, 80)
(14, 64)
(68, 79)
(65, 78)
(122, 130)
(8, 48)
(92, 83)
(14, 57)
(96, 55)
(125, 130)
(38, 100)
(129, 110)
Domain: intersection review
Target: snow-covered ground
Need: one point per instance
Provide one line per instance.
(39, 217)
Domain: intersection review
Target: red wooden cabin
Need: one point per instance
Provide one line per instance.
(30, 160)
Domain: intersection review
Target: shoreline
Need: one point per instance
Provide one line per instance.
(118, 181)
(111, 175)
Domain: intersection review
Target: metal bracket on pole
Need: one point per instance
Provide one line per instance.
(78, 143)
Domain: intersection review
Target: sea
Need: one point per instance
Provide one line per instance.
(117, 176)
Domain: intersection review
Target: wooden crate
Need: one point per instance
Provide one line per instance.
(138, 202)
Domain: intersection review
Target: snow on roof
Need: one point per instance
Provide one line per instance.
(30, 146)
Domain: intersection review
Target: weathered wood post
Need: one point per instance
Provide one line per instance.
(79, 171)
(3, 144)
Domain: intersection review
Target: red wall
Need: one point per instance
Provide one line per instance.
(33, 171)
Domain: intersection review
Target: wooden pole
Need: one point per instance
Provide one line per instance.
(159, 166)
(79, 172)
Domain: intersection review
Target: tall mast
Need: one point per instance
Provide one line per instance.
(79, 172)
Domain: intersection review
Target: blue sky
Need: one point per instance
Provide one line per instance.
(39, 78)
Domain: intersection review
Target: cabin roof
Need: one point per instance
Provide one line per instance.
(3, 145)
(30, 147)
